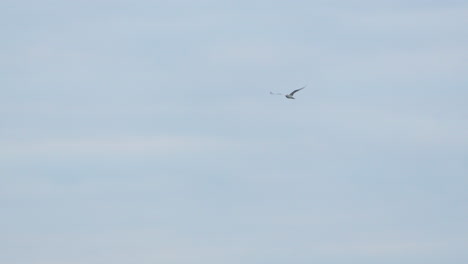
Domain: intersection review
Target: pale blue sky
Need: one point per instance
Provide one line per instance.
(144, 132)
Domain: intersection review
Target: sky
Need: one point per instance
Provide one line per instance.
(144, 132)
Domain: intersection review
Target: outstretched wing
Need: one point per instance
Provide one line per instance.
(272, 93)
(297, 90)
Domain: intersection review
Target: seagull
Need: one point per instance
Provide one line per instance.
(291, 95)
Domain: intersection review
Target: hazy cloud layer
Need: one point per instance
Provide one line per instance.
(144, 132)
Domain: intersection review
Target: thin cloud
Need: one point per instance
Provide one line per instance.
(158, 145)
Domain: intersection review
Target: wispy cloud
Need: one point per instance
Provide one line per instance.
(386, 125)
(159, 145)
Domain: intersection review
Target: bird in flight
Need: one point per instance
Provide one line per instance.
(291, 95)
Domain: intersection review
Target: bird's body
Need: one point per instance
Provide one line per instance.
(291, 95)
